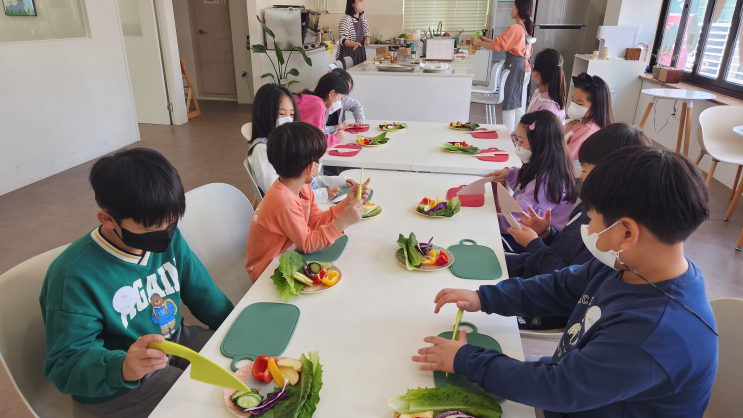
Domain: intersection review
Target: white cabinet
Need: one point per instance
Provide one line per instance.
(335, 6)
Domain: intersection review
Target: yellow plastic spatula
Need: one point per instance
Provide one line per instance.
(202, 369)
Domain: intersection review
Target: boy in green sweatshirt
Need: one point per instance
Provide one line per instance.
(120, 287)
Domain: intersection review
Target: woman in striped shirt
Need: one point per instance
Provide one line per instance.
(354, 33)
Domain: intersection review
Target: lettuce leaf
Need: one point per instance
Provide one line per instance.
(413, 254)
(452, 208)
(289, 263)
(313, 398)
(468, 150)
(403, 243)
(302, 398)
(450, 398)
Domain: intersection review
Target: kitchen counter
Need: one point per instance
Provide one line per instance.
(456, 69)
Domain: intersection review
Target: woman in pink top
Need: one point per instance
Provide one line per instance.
(551, 94)
(315, 106)
(590, 111)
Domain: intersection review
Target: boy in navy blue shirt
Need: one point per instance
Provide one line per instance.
(641, 340)
(548, 248)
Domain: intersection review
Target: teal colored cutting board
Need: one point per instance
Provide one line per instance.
(345, 189)
(261, 329)
(328, 254)
(476, 262)
(473, 338)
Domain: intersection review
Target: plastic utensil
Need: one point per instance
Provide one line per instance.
(328, 254)
(202, 369)
(485, 135)
(508, 205)
(456, 326)
(474, 262)
(336, 153)
(261, 329)
(361, 180)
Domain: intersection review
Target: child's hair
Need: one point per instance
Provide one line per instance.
(346, 76)
(138, 184)
(293, 146)
(661, 190)
(550, 164)
(266, 109)
(327, 83)
(549, 65)
(526, 9)
(601, 112)
(610, 138)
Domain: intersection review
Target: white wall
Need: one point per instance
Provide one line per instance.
(642, 13)
(69, 101)
(185, 41)
(596, 11)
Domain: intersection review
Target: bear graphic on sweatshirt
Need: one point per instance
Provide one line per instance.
(163, 314)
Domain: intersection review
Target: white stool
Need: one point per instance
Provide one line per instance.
(687, 98)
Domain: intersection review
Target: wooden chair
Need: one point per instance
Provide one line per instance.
(190, 94)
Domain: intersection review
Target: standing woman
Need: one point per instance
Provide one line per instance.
(515, 41)
(354, 31)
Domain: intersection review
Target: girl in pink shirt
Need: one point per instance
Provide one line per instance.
(288, 213)
(316, 105)
(590, 110)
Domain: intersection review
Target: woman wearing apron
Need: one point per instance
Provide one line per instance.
(354, 33)
(515, 42)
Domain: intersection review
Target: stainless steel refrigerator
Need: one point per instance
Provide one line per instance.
(561, 25)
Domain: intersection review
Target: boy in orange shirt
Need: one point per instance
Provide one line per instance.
(288, 213)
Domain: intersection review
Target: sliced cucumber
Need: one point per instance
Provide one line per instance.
(248, 400)
(326, 264)
(237, 394)
(315, 268)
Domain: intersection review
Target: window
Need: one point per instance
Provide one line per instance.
(455, 15)
(701, 37)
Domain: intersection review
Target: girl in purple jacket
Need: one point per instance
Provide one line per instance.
(545, 180)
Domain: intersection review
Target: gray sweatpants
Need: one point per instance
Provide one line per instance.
(142, 400)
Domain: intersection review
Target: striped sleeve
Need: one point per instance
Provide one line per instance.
(367, 34)
(345, 29)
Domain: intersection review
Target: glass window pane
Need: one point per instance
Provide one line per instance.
(718, 35)
(689, 44)
(735, 73)
(670, 33)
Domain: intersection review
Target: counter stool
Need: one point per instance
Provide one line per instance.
(492, 86)
(491, 100)
(687, 98)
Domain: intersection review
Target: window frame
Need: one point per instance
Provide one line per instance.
(718, 84)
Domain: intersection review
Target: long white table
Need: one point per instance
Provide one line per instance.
(417, 148)
(367, 328)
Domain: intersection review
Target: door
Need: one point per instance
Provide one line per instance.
(144, 60)
(567, 42)
(212, 44)
(562, 12)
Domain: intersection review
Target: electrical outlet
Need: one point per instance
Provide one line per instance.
(676, 115)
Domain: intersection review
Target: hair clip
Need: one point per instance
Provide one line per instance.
(533, 125)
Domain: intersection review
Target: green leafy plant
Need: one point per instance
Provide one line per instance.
(281, 72)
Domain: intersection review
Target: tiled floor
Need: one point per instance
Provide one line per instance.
(57, 210)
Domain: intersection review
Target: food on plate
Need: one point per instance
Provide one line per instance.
(378, 59)
(260, 369)
(289, 374)
(245, 400)
(391, 126)
(428, 414)
(371, 210)
(463, 147)
(376, 140)
(301, 399)
(294, 274)
(449, 402)
(291, 363)
(438, 207)
(470, 126)
(332, 279)
(275, 373)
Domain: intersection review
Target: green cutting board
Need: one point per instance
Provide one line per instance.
(345, 189)
(261, 329)
(487, 342)
(328, 254)
(476, 262)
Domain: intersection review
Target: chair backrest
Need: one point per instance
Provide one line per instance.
(348, 61)
(22, 339)
(500, 96)
(495, 76)
(247, 130)
(216, 225)
(257, 197)
(716, 126)
(338, 64)
(725, 398)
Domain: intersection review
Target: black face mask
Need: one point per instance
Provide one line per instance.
(155, 241)
(578, 186)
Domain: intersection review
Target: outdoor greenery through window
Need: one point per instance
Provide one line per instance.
(701, 37)
(455, 15)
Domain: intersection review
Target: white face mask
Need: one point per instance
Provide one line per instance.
(318, 171)
(285, 119)
(606, 257)
(576, 111)
(577, 169)
(523, 154)
(334, 106)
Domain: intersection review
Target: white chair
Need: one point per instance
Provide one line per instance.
(716, 138)
(338, 64)
(551, 335)
(216, 225)
(23, 342)
(247, 131)
(492, 86)
(491, 101)
(348, 61)
(726, 391)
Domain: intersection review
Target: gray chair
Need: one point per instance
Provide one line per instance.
(491, 100)
(348, 61)
(492, 86)
(257, 198)
(338, 64)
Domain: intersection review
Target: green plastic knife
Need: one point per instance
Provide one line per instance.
(361, 179)
(456, 327)
(202, 369)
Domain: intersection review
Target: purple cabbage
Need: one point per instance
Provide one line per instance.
(420, 250)
(307, 271)
(270, 401)
(454, 414)
(441, 205)
(424, 248)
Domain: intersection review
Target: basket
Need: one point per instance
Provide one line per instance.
(632, 54)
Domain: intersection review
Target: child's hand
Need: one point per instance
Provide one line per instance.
(467, 300)
(141, 360)
(541, 226)
(440, 357)
(341, 134)
(353, 193)
(341, 126)
(333, 191)
(523, 236)
(498, 175)
(351, 182)
(351, 214)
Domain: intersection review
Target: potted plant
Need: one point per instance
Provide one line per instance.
(281, 74)
(661, 56)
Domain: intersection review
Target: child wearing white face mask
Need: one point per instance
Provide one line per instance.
(315, 106)
(589, 111)
(545, 180)
(274, 106)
